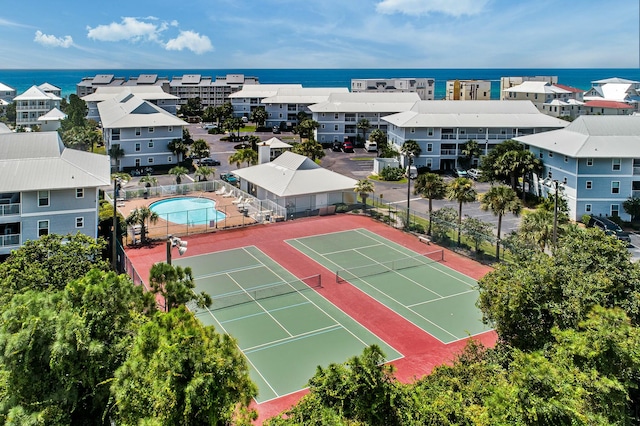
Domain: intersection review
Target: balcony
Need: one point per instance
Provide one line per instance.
(448, 152)
(9, 240)
(9, 209)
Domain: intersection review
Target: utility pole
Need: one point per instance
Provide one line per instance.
(410, 156)
(555, 216)
(114, 236)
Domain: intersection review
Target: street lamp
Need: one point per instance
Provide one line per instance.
(114, 236)
(175, 242)
(410, 155)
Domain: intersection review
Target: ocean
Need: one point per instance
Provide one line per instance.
(580, 78)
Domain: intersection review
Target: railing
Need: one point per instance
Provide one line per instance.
(448, 152)
(636, 170)
(350, 119)
(9, 209)
(9, 240)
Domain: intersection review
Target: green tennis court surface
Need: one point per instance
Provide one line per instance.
(418, 287)
(284, 328)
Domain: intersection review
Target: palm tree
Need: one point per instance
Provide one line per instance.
(140, 216)
(259, 116)
(538, 225)
(528, 163)
(179, 172)
(468, 152)
(148, 181)
(461, 190)
(115, 152)
(364, 125)
(500, 200)
(242, 155)
(309, 148)
(364, 187)
(179, 148)
(307, 128)
(432, 187)
(204, 172)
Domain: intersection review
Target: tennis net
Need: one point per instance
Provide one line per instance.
(264, 292)
(378, 268)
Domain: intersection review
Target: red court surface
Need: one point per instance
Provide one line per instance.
(421, 351)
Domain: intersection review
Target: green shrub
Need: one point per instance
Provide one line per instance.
(391, 173)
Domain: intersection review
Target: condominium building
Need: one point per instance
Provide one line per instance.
(441, 128)
(47, 188)
(339, 115)
(468, 90)
(287, 103)
(595, 159)
(551, 99)
(508, 82)
(211, 92)
(250, 97)
(424, 87)
(153, 94)
(141, 130)
(7, 93)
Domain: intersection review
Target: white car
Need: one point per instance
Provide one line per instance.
(208, 126)
(460, 173)
(474, 174)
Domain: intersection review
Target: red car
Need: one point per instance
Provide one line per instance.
(347, 147)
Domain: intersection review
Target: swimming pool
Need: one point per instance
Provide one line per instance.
(187, 210)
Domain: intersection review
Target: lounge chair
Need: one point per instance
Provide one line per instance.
(229, 194)
(221, 191)
(238, 200)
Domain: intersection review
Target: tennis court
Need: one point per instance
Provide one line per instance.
(419, 287)
(284, 327)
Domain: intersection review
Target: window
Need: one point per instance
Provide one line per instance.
(322, 126)
(150, 129)
(541, 155)
(429, 163)
(169, 159)
(587, 208)
(589, 184)
(79, 222)
(137, 147)
(335, 116)
(170, 129)
(43, 228)
(566, 159)
(615, 187)
(335, 127)
(589, 162)
(550, 174)
(550, 154)
(79, 192)
(564, 181)
(413, 130)
(137, 131)
(150, 160)
(137, 162)
(150, 144)
(43, 198)
(615, 164)
(429, 147)
(615, 210)
(430, 131)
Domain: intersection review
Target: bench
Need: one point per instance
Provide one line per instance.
(424, 239)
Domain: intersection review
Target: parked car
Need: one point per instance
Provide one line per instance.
(229, 177)
(276, 130)
(460, 173)
(610, 228)
(208, 126)
(209, 162)
(336, 146)
(347, 147)
(371, 146)
(474, 174)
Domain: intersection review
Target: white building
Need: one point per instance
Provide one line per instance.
(153, 94)
(34, 103)
(212, 92)
(7, 93)
(468, 90)
(141, 129)
(51, 121)
(424, 87)
(250, 97)
(339, 115)
(508, 82)
(554, 100)
(614, 89)
(441, 128)
(89, 85)
(47, 188)
(286, 103)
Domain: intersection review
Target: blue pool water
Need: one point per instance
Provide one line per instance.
(187, 210)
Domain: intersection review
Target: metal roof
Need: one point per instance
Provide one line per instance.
(39, 161)
(366, 102)
(262, 90)
(308, 95)
(127, 110)
(592, 136)
(537, 87)
(143, 92)
(293, 174)
(481, 114)
(34, 93)
(54, 114)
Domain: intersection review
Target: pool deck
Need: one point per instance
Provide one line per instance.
(161, 228)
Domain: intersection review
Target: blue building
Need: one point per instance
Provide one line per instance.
(595, 160)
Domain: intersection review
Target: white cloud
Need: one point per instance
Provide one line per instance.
(425, 7)
(53, 41)
(190, 40)
(129, 29)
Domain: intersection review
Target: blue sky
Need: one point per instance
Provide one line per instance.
(223, 34)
